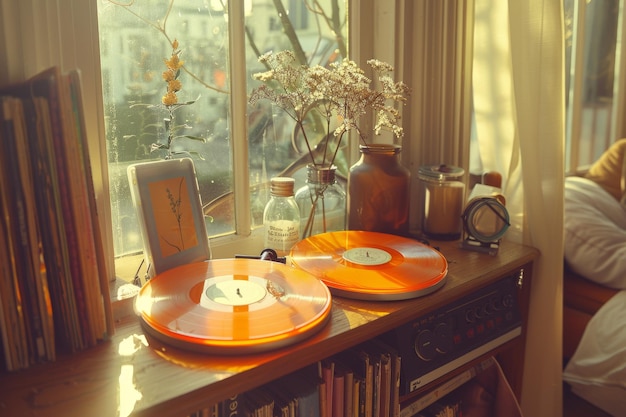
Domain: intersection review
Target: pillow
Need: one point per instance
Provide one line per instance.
(610, 170)
(595, 233)
(597, 370)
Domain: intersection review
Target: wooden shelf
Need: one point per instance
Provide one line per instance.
(133, 371)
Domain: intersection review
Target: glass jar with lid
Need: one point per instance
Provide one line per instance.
(442, 193)
(281, 217)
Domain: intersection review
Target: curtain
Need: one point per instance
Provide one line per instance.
(518, 83)
(38, 34)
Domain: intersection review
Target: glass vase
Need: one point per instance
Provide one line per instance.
(322, 202)
(378, 191)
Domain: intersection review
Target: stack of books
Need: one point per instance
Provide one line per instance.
(54, 294)
(361, 382)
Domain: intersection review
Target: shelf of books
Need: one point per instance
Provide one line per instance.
(53, 282)
(364, 382)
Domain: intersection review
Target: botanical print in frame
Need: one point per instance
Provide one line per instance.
(173, 216)
(167, 202)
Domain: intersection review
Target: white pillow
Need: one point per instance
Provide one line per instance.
(595, 233)
(597, 370)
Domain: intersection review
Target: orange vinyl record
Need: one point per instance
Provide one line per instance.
(233, 306)
(371, 265)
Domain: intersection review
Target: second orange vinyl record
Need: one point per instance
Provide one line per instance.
(371, 265)
(233, 306)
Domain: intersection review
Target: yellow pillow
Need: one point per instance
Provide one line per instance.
(610, 172)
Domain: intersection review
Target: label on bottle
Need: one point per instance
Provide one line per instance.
(281, 235)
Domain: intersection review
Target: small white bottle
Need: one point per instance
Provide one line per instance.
(281, 217)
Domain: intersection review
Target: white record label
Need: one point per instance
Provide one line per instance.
(236, 292)
(367, 256)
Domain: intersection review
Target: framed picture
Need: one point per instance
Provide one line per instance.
(167, 202)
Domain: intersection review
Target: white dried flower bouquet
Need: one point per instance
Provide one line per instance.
(338, 94)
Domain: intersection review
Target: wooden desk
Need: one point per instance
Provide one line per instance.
(149, 378)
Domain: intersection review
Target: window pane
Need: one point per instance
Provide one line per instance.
(136, 38)
(591, 39)
(320, 32)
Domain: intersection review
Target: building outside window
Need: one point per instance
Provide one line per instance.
(220, 45)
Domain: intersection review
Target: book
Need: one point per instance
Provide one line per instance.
(230, 407)
(47, 85)
(259, 402)
(25, 231)
(349, 393)
(105, 313)
(93, 262)
(395, 360)
(363, 368)
(412, 407)
(15, 348)
(304, 388)
(55, 280)
(357, 393)
(285, 402)
(338, 393)
(12, 320)
(326, 374)
(54, 245)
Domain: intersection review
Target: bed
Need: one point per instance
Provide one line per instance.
(594, 286)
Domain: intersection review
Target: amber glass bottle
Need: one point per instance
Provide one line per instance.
(378, 191)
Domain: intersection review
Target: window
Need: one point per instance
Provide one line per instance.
(593, 43)
(427, 41)
(220, 43)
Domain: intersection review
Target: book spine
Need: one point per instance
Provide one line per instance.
(103, 270)
(38, 204)
(26, 234)
(52, 94)
(16, 353)
(231, 406)
(413, 407)
(54, 234)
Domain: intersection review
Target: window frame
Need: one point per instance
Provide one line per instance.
(245, 239)
(37, 34)
(387, 31)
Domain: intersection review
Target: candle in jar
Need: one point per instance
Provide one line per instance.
(443, 196)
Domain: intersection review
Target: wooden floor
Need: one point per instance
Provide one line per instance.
(574, 406)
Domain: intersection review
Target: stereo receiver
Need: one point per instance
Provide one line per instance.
(453, 335)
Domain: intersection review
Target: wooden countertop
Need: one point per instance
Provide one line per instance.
(136, 373)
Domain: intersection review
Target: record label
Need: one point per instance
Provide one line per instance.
(371, 265)
(367, 256)
(231, 293)
(233, 306)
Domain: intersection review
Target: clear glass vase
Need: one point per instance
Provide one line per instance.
(378, 191)
(322, 202)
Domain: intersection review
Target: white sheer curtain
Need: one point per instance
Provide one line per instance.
(519, 107)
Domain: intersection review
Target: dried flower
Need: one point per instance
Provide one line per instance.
(339, 93)
(173, 66)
